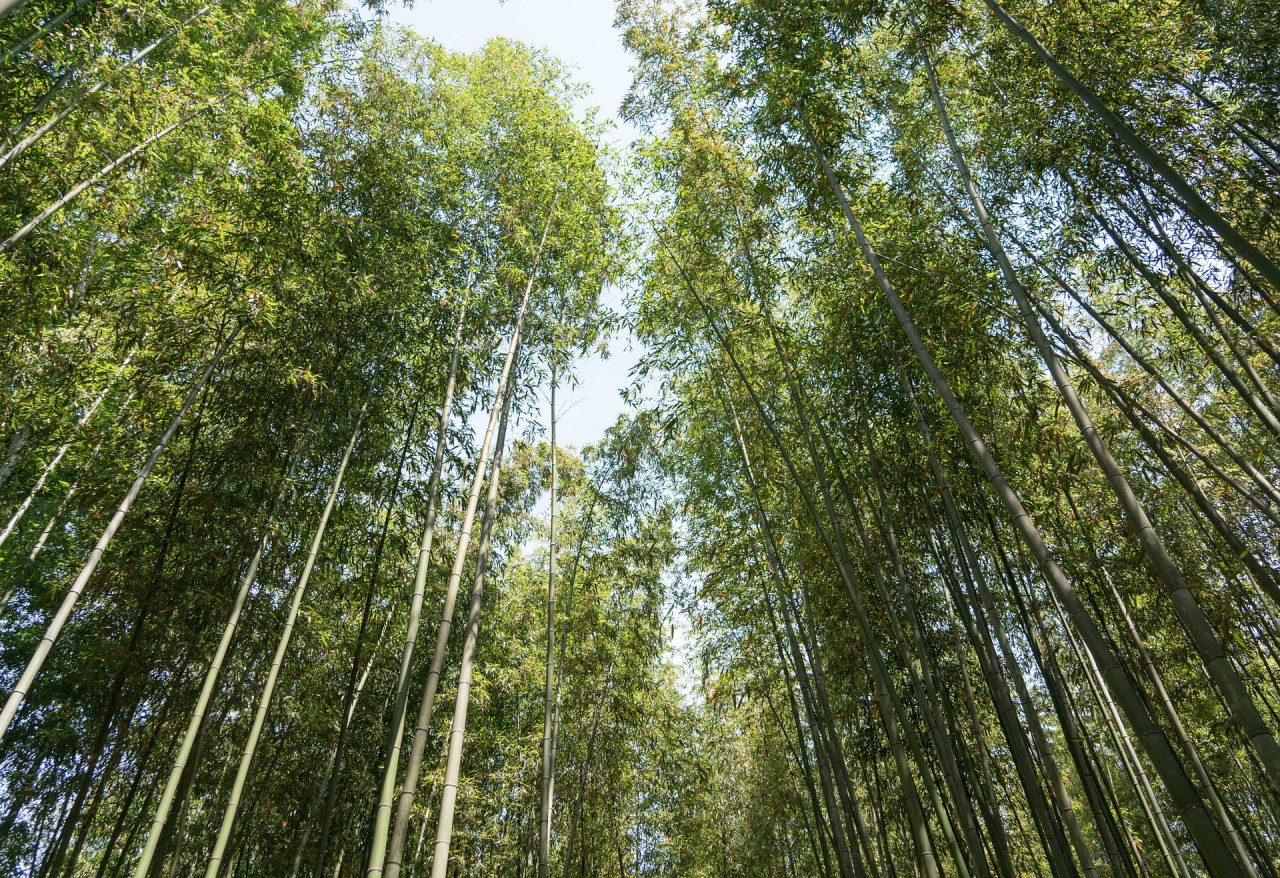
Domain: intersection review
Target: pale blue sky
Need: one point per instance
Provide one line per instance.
(578, 32)
(581, 34)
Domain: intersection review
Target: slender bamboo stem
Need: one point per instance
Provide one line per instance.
(548, 779)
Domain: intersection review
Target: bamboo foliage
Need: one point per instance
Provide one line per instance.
(938, 537)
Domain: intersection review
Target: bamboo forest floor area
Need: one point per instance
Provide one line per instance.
(937, 535)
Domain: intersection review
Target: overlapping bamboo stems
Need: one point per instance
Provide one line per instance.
(1202, 288)
(985, 788)
(1033, 627)
(962, 596)
(848, 854)
(333, 773)
(458, 726)
(1213, 306)
(220, 844)
(1241, 460)
(1209, 841)
(832, 747)
(981, 622)
(890, 707)
(828, 821)
(1122, 741)
(167, 697)
(330, 781)
(1248, 395)
(799, 752)
(1262, 576)
(126, 158)
(845, 563)
(64, 611)
(808, 630)
(1001, 651)
(208, 689)
(1168, 572)
(1247, 135)
(381, 821)
(1194, 204)
(1045, 821)
(985, 785)
(1131, 409)
(135, 784)
(926, 698)
(390, 855)
(60, 453)
(81, 828)
(886, 700)
(422, 831)
(23, 44)
(879, 806)
(138, 626)
(564, 641)
(926, 694)
(583, 775)
(993, 835)
(137, 58)
(17, 128)
(1026, 761)
(70, 820)
(994, 826)
(20, 578)
(848, 799)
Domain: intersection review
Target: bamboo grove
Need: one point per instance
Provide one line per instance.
(951, 470)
